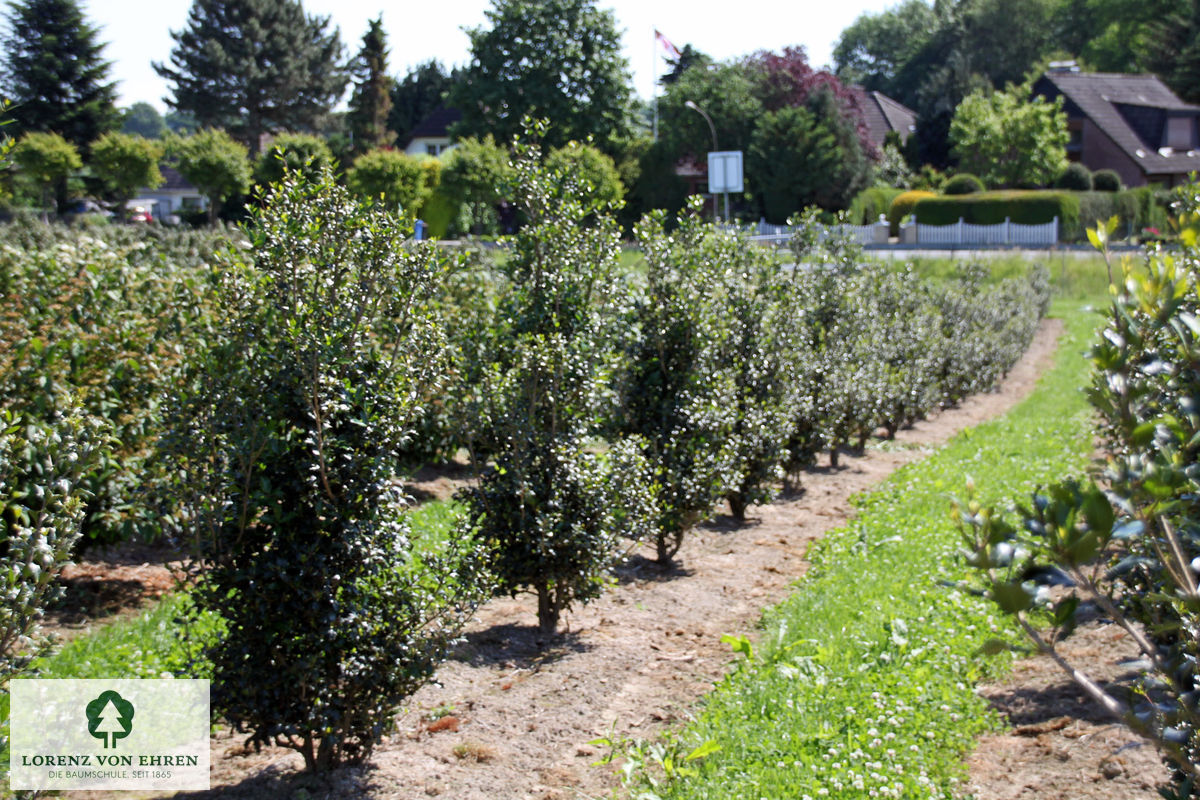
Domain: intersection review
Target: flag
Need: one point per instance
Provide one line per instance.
(669, 48)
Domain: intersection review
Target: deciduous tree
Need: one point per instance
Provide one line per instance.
(1009, 140)
(555, 59)
(125, 163)
(215, 164)
(47, 159)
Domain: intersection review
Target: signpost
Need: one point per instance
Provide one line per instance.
(725, 174)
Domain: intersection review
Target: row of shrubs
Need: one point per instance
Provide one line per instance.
(262, 409)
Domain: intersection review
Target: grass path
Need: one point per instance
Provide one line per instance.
(864, 683)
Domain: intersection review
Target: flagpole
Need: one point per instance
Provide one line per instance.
(653, 77)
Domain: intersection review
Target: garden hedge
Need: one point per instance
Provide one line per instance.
(990, 208)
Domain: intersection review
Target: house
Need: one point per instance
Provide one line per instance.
(1132, 124)
(431, 136)
(884, 115)
(173, 197)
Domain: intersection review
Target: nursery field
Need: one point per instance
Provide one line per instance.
(574, 519)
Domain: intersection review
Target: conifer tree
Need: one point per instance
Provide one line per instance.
(254, 67)
(371, 102)
(55, 73)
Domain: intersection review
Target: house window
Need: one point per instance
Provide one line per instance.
(433, 149)
(1179, 133)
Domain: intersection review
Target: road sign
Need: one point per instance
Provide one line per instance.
(725, 171)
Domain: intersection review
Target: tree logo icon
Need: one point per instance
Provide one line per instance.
(110, 717)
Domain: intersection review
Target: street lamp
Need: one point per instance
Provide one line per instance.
(713, 130)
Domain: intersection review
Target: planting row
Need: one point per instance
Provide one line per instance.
(263, 410)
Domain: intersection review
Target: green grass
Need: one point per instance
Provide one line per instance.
(156, 641)
(1072, 276)
(863, 683)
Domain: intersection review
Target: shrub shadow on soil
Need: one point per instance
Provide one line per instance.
(274, 781)
(516, 647)
(639, 569)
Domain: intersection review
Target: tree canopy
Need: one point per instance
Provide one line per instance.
(143, 119)
(1009, 140)
(421, 91)
(125, 163)
(554, 59)
(55, 72)
(215, 164)
(255, 67)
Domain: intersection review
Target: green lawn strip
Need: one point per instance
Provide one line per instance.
(863, 685)
(154, 643)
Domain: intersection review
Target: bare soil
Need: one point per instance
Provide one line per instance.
(1061, 745)
(513, 710)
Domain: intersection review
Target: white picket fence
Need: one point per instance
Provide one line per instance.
(1006, 232)
(765, 233)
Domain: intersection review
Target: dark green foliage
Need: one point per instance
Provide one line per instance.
(42, 457)
(371, 101)
(962, 183)
(552, 508)
(1106, 180)
(803, 156)
(143, 119)
(989, 208)
(872, 203)
(55, 72)
(763, 305)
(254, 67)
(678, 392)
(420, 92)
(1173, 49)
(286, 438)
(556, 59)
(1077, 178)
(293, 152)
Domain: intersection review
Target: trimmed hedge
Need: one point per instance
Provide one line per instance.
(963, 183)
(990, 208)
(903, 205)
(1077, 178)
(1137, 209)
(870, 203)
(1107, 180)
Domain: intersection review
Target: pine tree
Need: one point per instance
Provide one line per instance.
(371, 101)
(55, 72)
(254, 67)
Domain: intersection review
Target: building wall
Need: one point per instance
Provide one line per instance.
(428, 146)
(1100, 152)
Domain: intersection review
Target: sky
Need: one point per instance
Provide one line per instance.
(138, 33)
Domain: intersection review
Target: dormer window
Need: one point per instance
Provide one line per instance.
(1179, 133)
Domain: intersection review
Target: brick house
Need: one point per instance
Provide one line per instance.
(1132, 124)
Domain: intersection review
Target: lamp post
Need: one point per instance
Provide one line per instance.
(713, 130)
